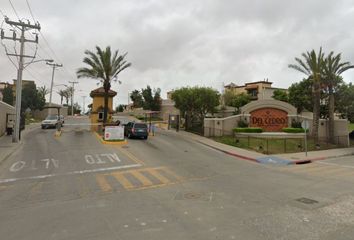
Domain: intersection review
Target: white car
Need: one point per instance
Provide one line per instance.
(52, 121)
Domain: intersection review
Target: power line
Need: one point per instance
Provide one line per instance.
(13, 8)
(2, 13)
(30, 10)
(47, 43)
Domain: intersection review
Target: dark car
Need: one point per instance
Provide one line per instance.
(132, 129)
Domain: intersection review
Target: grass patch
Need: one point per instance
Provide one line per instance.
(270, 146)
(293, 130)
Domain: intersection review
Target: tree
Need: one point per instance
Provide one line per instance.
(194, 103)
(280, 95)
(156, 102)
(229, 97)
(120, 108)
(105, 66)
(333, 68)
(312, 66)
(300, 95)
(43, 91)
(62, 95)
(148, 98)
(239, 101)
(31, 98)
(8, 95)
(137, 99)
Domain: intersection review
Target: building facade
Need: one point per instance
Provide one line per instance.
(257, 90)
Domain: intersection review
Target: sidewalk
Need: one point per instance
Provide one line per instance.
(7, 147)
(288, 158)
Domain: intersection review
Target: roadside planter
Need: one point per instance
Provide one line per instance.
(114, 133)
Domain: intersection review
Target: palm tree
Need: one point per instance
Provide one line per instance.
(61, 94)
(43, 91)
(67, 94)
(105, 67)
(333, 68)
(312, 66)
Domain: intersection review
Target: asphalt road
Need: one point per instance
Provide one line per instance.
(166, 187)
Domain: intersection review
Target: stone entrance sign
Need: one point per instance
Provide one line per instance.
(270, 119)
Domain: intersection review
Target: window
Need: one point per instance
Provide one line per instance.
(100, 116)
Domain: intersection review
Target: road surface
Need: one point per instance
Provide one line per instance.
(166, 187)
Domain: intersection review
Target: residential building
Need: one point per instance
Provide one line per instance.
(257, 90)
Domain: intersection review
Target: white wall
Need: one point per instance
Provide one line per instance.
(4, 109)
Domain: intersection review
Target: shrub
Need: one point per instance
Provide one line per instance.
(295, 124)
(247, 130)
(293, 130)
(242, 124)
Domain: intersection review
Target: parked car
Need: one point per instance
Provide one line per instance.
(132, 129)
(52, 121)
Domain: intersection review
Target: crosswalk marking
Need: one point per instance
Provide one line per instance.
(159, 176)
(146, 182)
(123, 180)
(102, 182)
(138, 178)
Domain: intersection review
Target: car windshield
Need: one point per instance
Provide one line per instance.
(52, 117)
(140, 125)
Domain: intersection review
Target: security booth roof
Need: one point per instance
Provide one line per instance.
(100, 92)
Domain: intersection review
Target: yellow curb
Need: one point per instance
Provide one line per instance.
(108, 142)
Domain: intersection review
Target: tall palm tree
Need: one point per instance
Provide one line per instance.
(333, 68)
(105, 66)
(312, 66)
(61, 94)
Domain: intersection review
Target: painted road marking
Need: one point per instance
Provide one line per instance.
(140, 178)
(123, 180)
(70, 173)
(131, 156)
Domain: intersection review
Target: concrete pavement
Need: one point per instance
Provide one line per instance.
(168, 187)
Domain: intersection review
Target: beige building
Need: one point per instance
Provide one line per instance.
(257, 90)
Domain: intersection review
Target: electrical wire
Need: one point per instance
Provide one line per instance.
(2, 13)
(47, 43)
(13, 8)
(30, 10)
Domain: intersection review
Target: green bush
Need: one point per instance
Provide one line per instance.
(295, 124)
(247, 130)
(242, 124)
(293, 130)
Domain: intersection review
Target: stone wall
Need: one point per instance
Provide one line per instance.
(4, 109)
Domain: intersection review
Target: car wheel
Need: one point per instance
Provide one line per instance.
(146, 137)
(42, 127)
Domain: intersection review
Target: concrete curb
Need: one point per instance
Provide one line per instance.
(230, 153)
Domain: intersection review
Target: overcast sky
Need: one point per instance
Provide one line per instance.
(175, 43)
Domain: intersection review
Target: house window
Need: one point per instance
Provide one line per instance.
(253, 92)
(100, 115)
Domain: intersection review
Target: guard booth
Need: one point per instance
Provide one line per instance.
(174, 121)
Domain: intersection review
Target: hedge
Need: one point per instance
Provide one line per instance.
(248, 130)
(293, 130)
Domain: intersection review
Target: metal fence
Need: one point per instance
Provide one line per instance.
(269, 145)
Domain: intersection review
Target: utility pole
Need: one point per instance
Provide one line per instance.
(72, 97)
(83, 105)
(54, 65)
(23, 26)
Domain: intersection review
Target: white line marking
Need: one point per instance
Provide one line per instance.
(69, 173)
